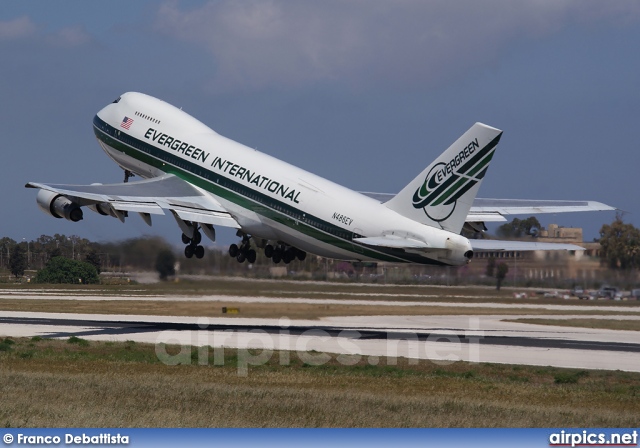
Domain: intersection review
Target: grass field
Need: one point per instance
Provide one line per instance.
(77, 383)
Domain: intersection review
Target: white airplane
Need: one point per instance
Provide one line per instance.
(207, 180)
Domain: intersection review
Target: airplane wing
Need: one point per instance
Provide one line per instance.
(498, 245)
(494, 210)
(150, 196)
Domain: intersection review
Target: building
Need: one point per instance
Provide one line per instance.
(579, 267)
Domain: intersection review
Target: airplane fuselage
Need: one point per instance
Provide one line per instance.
(269, 198)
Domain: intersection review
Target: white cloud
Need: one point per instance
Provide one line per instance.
(258, 43)
(69, 37)
(19, 28)
(24, 28)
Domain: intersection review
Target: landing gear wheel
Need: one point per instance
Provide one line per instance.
(185, 239)
(301, 255)
(188, 251)
(251, 256)
(199, 252)
(233, 250)
(241, 257)
(268, 251)
(288, 256)
(197, 237)
(276, 257)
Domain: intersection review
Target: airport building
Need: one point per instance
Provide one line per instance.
(556, 269)
(579, 267)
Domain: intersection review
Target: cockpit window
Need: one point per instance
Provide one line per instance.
(116, 100)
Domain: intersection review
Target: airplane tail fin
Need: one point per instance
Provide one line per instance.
(443, 193)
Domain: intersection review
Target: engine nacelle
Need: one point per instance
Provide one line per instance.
(102, 208)
(58, 206)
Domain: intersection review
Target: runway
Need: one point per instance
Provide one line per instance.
(439, 339)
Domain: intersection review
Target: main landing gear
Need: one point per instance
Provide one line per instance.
(243, 251)
(284, 253)
(193, 245)
(277, 253)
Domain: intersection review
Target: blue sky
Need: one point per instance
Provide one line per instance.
(365, 93)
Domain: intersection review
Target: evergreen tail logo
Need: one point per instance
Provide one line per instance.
(443, 193)
(447, 182)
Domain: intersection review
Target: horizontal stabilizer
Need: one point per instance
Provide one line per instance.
(395, 242)
(534, 206)
(485, 217)
(497, 245)
(494, 210)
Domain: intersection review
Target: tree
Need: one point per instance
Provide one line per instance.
(519, 227)
(530, 226)
(54, 252)
(136, 253)
(620, 245)
(165, 262)
(491, 267)
(6, 246)
(94, 259)
(64, 270)
(17, 261)
(501, 274)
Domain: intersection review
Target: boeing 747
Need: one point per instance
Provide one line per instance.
(206, 180)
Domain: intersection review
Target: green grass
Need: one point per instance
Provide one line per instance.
(115, 384)
(76, 340)
(569, 377)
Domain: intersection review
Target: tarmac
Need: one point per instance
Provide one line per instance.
(438, 338)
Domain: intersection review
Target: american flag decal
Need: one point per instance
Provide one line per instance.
(126, 123)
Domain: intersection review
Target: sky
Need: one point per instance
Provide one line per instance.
(363, 92)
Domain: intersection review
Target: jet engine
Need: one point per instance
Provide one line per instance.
(103, 209)
(58, 206)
